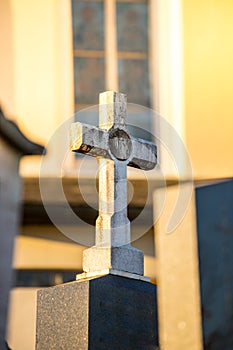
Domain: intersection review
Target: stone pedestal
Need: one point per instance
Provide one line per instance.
(108, 312)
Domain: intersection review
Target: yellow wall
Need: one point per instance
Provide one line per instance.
(208, 59)
(37, 75)
(40, 61)
(36, 68)
(6, 61)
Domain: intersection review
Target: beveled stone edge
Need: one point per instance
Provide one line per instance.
(124, 258)
(104, 272)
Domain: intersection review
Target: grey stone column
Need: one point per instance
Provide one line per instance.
(10, 192)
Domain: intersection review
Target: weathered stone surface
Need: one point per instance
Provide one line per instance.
(109, 312)
(113, 142)
(115, 149)
(112, 311)
(124, 258)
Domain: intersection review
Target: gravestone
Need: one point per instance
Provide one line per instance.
(13, 145)
(215, 241)
(177, 273)
(111, 305)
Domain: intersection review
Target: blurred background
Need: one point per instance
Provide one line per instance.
(172, 56)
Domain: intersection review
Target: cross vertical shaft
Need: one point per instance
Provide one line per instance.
(106, 202)
(112, 225)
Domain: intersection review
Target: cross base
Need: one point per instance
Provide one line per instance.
(124, 258)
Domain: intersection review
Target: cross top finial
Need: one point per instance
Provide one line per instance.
(114, 149)
(112, 110)
(113, 113)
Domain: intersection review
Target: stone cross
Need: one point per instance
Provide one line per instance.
(114, 149)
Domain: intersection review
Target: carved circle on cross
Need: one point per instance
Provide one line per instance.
(120, 144)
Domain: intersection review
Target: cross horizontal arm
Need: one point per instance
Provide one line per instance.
(89, 140)
(144, 154)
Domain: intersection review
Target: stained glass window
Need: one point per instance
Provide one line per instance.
(132, 43)
(88, 25)
(132, 27)
(88, 46)
(91, 60)
(133, 80)
(89, 79)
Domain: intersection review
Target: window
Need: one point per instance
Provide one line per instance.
(132, 51)
(111, 50)
(89, 53)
